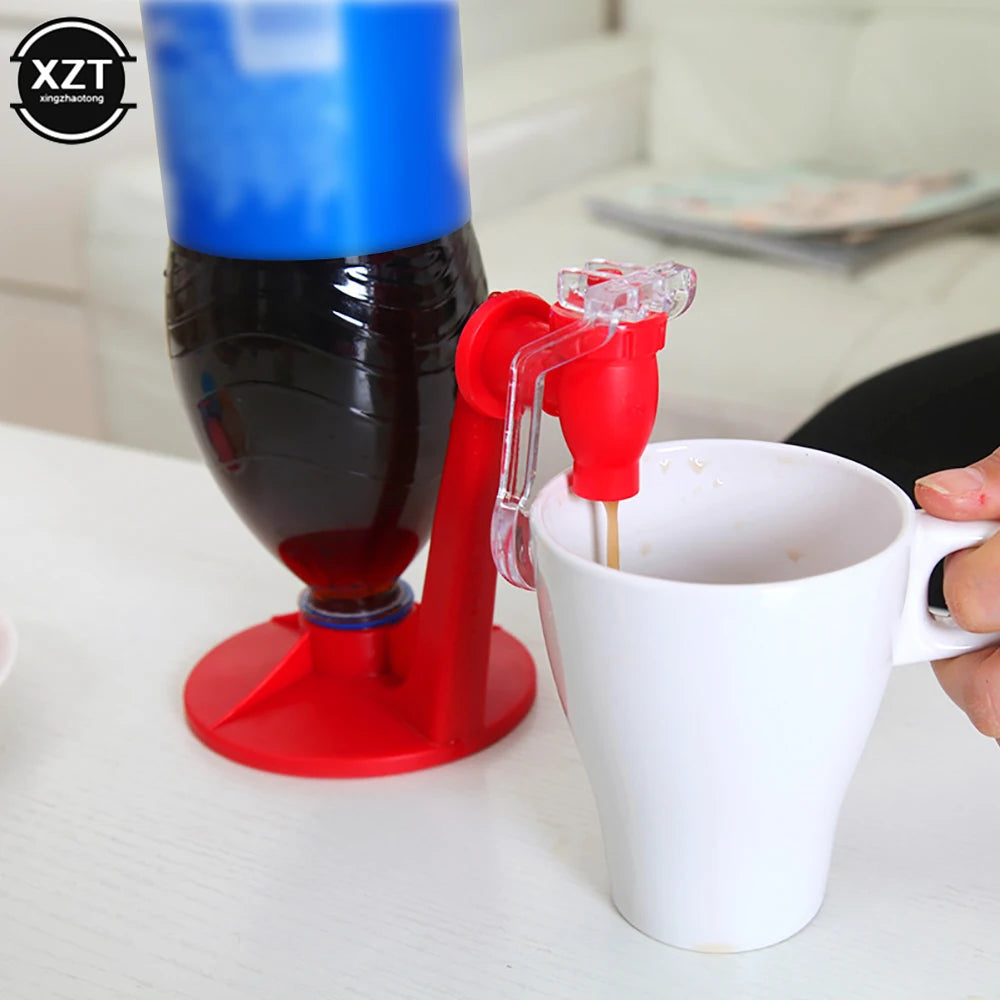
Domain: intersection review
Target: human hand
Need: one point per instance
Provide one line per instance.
(971, 586)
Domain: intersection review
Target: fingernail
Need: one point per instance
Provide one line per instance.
(954, 482)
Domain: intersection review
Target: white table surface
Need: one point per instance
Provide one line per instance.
(136, 864)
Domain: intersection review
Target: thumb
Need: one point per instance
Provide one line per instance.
(968, 494)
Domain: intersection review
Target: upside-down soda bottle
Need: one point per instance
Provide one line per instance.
(321, 267)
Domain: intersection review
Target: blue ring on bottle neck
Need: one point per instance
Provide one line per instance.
(357, 621)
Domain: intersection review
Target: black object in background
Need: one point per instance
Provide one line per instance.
(938, 411)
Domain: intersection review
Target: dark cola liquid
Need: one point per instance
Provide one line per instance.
(321, 393)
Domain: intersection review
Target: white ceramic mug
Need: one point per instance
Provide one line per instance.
(721, 688)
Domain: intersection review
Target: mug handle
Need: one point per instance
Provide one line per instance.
(922, 635)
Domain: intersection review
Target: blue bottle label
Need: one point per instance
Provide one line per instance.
(303, 130)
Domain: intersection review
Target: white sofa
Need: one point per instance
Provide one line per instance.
(687, 85)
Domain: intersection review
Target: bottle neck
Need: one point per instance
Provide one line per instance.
(316, 130)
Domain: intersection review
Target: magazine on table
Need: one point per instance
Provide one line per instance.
(839, 222)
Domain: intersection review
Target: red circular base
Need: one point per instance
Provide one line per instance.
(259, 699)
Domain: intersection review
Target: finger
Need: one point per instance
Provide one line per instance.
(963, 494)
(972, 586)
(972, 681)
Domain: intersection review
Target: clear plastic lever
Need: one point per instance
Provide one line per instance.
(605, 294)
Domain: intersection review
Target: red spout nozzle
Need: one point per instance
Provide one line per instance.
(590, 360)
(606, 403)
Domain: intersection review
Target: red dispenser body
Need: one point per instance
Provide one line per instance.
(302, 694)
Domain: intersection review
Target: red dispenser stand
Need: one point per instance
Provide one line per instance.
(297, 697)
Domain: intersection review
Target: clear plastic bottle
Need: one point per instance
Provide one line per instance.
(321, 267)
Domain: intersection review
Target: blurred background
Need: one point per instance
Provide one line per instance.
(565, 100)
